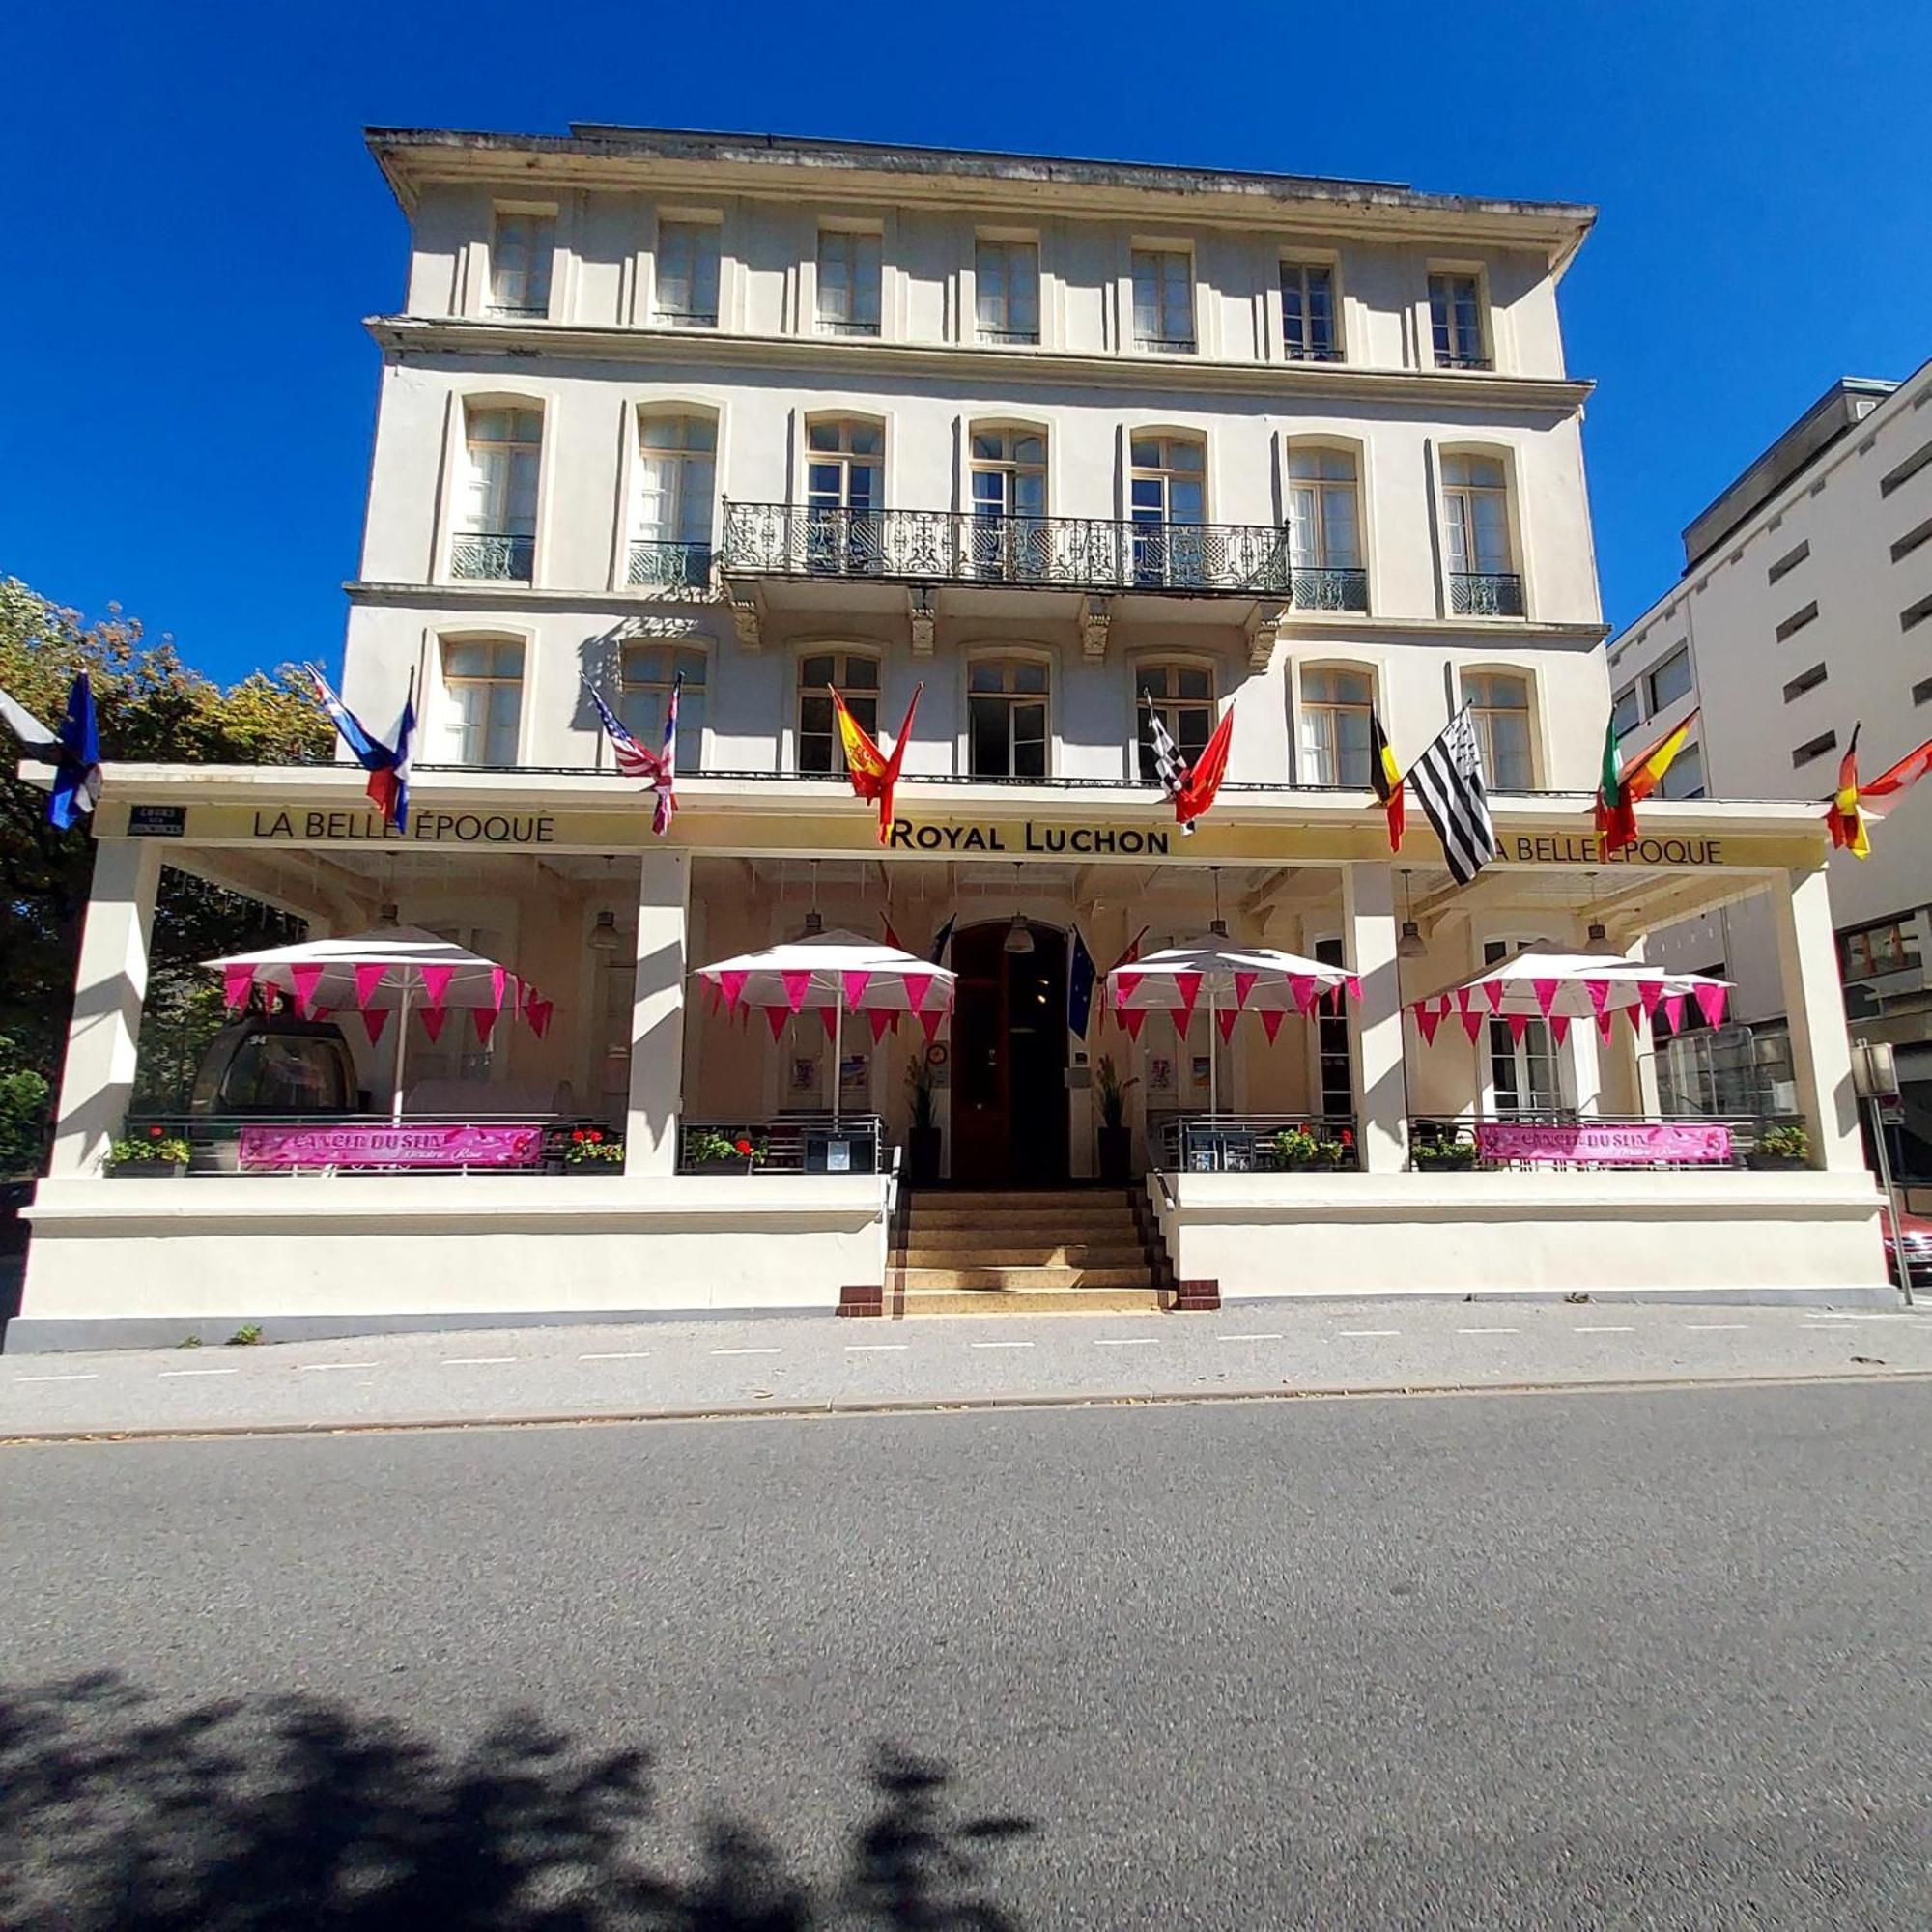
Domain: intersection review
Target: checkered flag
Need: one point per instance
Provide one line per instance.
(1170, 767)
(1448, 779)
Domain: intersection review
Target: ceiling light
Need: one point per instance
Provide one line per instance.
(604, 934)
(814, 924)
(1019, 936)
(1598, 935)
(1411, 945)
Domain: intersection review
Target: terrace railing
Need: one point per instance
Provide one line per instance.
(787, 1143)
(217, 1143)
(1253, 1143)
(1443, 1141)
(1485, 594)
(502, 555)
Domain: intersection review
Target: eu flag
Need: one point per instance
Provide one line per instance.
(1080, 978)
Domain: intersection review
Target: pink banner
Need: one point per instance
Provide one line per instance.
(370, 1143)
(1604, 1142)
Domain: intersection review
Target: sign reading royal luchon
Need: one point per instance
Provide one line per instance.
(1024, 836)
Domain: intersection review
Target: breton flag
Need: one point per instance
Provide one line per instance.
(1622, 787)
(873, 775)
(28, 729)
(659, 768)
(1853, 806)
(1192, 788)
(1386, 775)
(1448, 779)
(389, 768)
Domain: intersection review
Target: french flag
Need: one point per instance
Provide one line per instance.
(389, 769)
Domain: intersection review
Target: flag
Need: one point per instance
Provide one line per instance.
(659, 768)
(1622, 787)
(388, 770)
(942, 939)
(1080, 978)
(1853, 806)
(1127, 958)
(1448, 779)
(891, 936)
(28, 729)
(1170, 767)
(1386, 775)
(390, 788)
(77, 761)
(1203, 780)
(873, 775)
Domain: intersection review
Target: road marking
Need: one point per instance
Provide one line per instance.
(998, 1345)
(1488, 1331)
(166, 1373)
(875, 1348)
(1248, 1337)
(323, 1367)
(90, 1376)
(475, 1361)
(618, 1355)
(1359, 1334)
(1126, 1341)
(748, 1351)
(1709, 1326)
(1602, 1331)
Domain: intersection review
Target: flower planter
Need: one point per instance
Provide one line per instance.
(1117, 1155)
(149, 1170)
(1774, 1163)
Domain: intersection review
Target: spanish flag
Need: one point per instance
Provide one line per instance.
(1386, 775)
(1855, 806)
(873, 775)
(1622, 787)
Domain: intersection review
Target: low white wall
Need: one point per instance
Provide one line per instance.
(1732, 1234)
(119, 1263)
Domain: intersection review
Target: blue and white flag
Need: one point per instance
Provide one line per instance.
(1080, 976)
(78, 763)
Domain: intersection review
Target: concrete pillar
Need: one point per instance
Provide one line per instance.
(1815, 1002)
(657, 1013)
(1639, 1044)
(1381, 1106)
(109, 990)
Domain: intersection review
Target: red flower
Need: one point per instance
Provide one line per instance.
(154, 1133)
(1347, 1137)
(744, 1146)
(595, 1135)
(576, 1133)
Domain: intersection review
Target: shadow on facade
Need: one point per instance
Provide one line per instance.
(247, 1814)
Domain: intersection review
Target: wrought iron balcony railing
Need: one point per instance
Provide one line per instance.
(493, 554)
(1324, 589)
(673, 569)
(685, 318)
(1485, 594)
(1046, 552)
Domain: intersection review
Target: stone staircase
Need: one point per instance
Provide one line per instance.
(1074, 1250)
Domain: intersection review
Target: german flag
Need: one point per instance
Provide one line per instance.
(873, 775)
(1386, 775)
(1623, 787)
(1853, 806)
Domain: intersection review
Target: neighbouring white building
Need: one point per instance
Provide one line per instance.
(1047, 438)
(1806, 612)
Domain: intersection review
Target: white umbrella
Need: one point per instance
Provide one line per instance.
(388, 970)
(1235, 977)
(836, 972)
(1545, 981)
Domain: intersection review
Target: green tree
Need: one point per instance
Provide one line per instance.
(152, 707)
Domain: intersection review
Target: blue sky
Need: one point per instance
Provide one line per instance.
(196, 230)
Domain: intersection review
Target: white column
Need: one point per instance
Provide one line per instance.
(1814, 1003)
(657, 1013)
(110, 985)
(1381, 1108)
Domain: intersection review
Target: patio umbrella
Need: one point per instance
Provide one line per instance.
(389, 970)
(1544, 982)
(1235, 977)
(835, 973)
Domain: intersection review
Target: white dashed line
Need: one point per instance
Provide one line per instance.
(166, 1373)
(875, 1348)
(1709, 1326)
(748, 1351)
(998, 1345)
(323, 1367)
(1248, 1337)
(475, 1361)
(1602, 1331)
(1488, 1331)
(89, 1376)
(1126, 1341)
(618, 1355)
(1365, 1334)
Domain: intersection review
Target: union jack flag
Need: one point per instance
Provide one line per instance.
(658, 768)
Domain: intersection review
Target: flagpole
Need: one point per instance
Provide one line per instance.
(837, 1055)
(402, 1036)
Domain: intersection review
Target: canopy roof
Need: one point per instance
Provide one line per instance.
(1542, 981)
(1232, 977)
(833, 973)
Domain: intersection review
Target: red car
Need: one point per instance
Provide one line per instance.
(1916, 1233)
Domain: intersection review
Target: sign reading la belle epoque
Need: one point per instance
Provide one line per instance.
(428, 827)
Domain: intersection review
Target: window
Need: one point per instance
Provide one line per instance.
(856, 677)
(1456, 321)
(670, 542)
(1893, 479)
(1499, 709)
(1805, 680)
(1797, 621)
(1817, 748)
(1922, 692)
(483, 682)
(1166, 489)
(1685, 776)
(1912, 539)
(844, 484)
(646, 679)
(1522, 1071)
(1006, 291)
(1164, 299)
(521, 249)
(1788, 562)
(1335, 726)
(1183, 699)
(848, 282)
(1914, 614)
(1331, 1038)
(1008, 532)
(1308, 333)
(1669, 680)
(1007, 719)
(498, 522)
(1482, 561)
(1325, 530)
(1625, 712)
(686, 289)
(1870, 952)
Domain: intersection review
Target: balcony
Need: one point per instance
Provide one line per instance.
(1082, 553)
(1485, 594)
(670, 569)
(498, 555)
(1322, 589)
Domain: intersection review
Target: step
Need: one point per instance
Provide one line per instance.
(1031, 1301)
(997, 1280)
(933, 1253)
(1056, 1227)
(1024, 1199)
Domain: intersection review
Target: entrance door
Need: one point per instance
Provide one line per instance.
(1009, 1057)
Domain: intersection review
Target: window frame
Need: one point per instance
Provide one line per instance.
(661, 315)
(1165, 343)
(1499, 1044)
(1008, 656)
(1006, 335)
(1680, 653)
(464, 445)
(526, 311)
(1298, 265)
(1480, 716)
(842, 651)
(852, 325)
(1308, 755)
(1169, 705)
(449, 725)
(1456, 359)
(674, 649)
(1460, 513)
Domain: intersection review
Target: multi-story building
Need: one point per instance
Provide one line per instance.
(1805, 614)
(1057, 446)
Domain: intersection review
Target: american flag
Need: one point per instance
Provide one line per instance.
(1448, 779)
(1170, 767)
(659, 768)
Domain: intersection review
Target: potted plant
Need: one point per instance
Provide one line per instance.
(922, 1126)
(592, 1150)
(1116, 1137)
(152, 1154)
(1781, 1146)
(1443, 1156)
(709, 1150)
(1295, 1149)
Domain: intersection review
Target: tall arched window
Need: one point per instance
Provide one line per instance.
(856, 677)
(1484, 579)
(844, 490)
(648, 674)
(1183, 697)
(1325, 530)
(1167, 499)
(495, 533)
(1007, 717)
(1498, 704)
(1523, 1072)
(1008, 532)
(1335, 707)
(670, 531)
(482, 700)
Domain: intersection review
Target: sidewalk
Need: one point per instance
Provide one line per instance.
(819, 1363)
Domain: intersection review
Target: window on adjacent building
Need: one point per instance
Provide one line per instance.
(1626, 711)
(1805, 680)
(1499, 709)
(648, 674)
(1914, 614)
(497, 524)
(1669, 680)
(1456, 321)
(1482, 578)
(1164, 299)
(1325, 530)
(848, 282)
(1006, 291)
(1788, 562)
(483, 688)
(1308, 331)
(1522, 1071)
(522, 247)
(1331, 1038)
(1814, 748)
(1182, 697)
(856, 677)
(1921, 692)
(1895, 479)
(1685, 778)
(671, 536)
(1007, 537)
(1797, 621)
(844, 489)
(1007, 717)
(1166, 501)
(687, 283)
(1917, 535)
(1870, 952)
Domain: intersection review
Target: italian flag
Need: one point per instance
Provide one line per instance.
(1623, 787)
(1855, 806)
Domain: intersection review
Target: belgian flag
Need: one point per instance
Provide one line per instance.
(1386, 775)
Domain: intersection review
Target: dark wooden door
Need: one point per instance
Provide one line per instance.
(1008, 1059)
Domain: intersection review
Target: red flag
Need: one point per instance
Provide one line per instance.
(1854, 805)
(1204, 778)
(873, 775)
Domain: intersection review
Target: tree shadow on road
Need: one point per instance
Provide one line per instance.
(247, 1814)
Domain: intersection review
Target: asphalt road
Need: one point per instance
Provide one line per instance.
(1498, 1661)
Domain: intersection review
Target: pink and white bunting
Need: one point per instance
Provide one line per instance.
(1544, 983)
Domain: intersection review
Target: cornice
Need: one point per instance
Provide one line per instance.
(527, 341)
